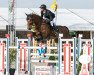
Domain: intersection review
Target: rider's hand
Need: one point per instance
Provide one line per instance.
(47, 20)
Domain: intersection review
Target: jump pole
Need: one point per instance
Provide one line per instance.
(29, 62)
(59, 54)
(67, 58)
(79, 46)
(7, 54)
(22, 57)
(74, 57)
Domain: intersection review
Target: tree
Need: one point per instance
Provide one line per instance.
(12, 56)
(12, 59)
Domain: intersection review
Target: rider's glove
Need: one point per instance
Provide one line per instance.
(47, 20)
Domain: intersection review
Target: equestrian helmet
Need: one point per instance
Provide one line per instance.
(43, 6)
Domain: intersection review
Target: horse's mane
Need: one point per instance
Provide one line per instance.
(37, 20)
(36, 15)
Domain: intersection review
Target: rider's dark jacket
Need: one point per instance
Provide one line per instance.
(48, 14)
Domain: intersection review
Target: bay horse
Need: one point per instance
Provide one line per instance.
(42, 30)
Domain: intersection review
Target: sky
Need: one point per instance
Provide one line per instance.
(70, 4)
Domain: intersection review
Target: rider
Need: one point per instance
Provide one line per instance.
(48, 16)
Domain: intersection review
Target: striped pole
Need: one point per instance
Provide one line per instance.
(29, 62)
(7, 54)
(59, 54)
(67, 59)
(2, 48)
(86, 51)
(22, 56)
(74, 57)
(79, 46)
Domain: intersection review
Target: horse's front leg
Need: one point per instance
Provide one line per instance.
(38, 35)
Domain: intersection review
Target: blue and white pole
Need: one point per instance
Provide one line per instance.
(7, 54)
(59, 54)
(74, 57)
(79, 46)
(29, 63)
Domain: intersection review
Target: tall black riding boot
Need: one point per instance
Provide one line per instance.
(55, 28)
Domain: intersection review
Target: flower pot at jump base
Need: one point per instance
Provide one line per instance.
(11, 71)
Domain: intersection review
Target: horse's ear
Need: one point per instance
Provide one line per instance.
(26, 14)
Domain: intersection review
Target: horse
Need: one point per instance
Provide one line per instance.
(42, 29)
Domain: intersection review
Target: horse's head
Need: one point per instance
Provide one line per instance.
(29, 19)
(34, 23)
(33, 19)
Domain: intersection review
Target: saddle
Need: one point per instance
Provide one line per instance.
(52, 27)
